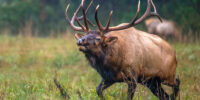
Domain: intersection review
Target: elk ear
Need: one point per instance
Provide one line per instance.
(110, 40)
(78, 36)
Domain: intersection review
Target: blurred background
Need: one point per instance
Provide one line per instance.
(39, 59)
(46, 16)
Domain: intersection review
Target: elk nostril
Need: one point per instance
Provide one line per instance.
(80, 41)
(83, 40)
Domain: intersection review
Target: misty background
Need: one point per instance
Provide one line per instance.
(39, 58)
(43, 17)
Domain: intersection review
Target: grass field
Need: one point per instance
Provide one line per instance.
(28, 67)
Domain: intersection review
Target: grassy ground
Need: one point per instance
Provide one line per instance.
(28, 67)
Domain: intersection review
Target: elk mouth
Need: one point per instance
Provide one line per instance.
(83, 48)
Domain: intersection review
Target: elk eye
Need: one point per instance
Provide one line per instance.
(98, 39)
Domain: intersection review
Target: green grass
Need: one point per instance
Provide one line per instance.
(28, 67)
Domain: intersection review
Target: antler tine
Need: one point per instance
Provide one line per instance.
(137, 14)
(79, 23)
(91, 23)
(148, 12)
(73, 18)
(84, 16)
(135, 20)
(108, 23)
(155, 11)
(119, 27)
(81, 17)
(154, 7)
(101, 28)
(89, 6)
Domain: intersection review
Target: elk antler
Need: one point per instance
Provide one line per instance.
(81, 17)
(71, 22)
(134, 22)
(82, 28)
(84, 16)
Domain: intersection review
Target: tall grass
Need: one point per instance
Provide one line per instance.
(28, 67)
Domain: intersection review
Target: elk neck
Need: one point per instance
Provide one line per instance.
(101, 62)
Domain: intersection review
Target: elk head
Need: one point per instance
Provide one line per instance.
(95, 40)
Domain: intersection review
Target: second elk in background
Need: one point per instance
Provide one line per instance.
(167, 29)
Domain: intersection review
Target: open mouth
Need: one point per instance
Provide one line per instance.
(82, 48)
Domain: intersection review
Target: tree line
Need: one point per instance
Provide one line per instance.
(45, 16)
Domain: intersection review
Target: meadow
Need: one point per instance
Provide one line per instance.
(35, 68)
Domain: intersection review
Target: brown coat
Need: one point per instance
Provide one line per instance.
(137, 53)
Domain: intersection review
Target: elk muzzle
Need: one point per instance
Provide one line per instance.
(81, 42)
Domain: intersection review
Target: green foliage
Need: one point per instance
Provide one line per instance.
(48, 15)
(14, 14)
(71, 59)
(185, 12)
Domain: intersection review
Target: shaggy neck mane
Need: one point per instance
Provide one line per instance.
(97, 60)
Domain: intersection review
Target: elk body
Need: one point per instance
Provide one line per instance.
(166, 29)
(125, 54)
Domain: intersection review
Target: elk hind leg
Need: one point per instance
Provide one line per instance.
(155, 86)
(175, 89)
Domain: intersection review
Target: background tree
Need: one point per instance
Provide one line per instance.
(48, 15)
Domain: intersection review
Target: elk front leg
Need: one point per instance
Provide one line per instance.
(102, 86)
(131, 89)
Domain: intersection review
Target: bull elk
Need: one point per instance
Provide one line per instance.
(167, 29)
(125, 54)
